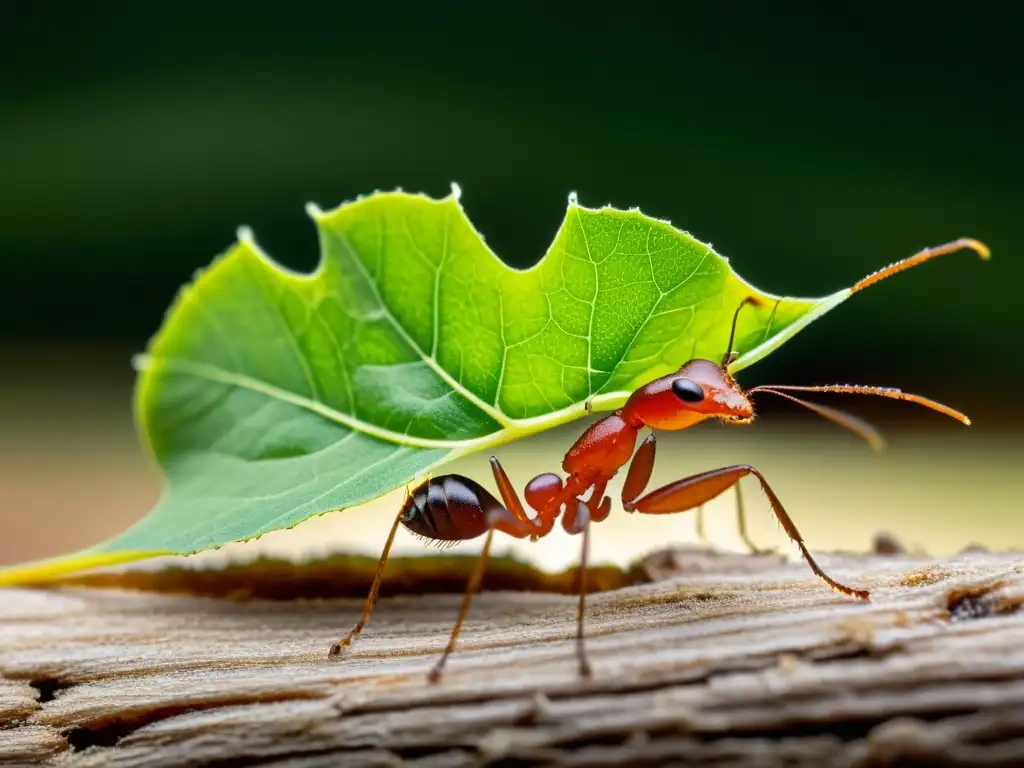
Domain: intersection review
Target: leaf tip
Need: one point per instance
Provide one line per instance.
(573, 199)
(141, 361)
(456, 193)
(314, 211)
(771, 344)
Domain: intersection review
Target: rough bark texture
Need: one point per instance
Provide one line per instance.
(720, 660)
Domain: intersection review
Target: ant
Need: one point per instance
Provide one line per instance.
(452, 508)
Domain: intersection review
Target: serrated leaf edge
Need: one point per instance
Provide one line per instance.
(512, 428)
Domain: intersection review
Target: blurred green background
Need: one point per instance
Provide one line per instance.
(811, 145)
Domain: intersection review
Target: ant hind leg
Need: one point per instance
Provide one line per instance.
(371, 599)
(510, 519)
(471, 587)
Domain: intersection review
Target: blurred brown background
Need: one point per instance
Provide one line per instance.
(809, 145)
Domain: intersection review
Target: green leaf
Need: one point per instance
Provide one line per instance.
(268, 397)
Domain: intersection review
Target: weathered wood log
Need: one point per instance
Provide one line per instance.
(719, 660)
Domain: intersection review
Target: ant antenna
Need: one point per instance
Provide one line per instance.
(922, 256)
(753, 301)
(845, 420)
(857, 389)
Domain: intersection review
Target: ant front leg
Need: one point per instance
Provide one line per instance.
(639, 475)
(698, 489)
(598, 505)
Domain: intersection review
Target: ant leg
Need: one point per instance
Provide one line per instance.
(741, 525)
(508, 493)
(639, 473)
(371, 599)
(702, 535)
(581, 524)
(697, 489)
(467, 598)
(599, 506)
(510, 519)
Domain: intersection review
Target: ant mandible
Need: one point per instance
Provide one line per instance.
(453, 508)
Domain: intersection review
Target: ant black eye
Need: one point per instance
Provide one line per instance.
(687, 390)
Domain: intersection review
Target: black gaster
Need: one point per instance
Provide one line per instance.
(449, 508)
(437, 507)
(416, 515)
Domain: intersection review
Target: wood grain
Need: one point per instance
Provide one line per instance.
(720, 660)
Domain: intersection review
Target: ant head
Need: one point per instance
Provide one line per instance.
(699, 390)
(722, 396)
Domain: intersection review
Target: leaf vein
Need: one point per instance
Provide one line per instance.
(471, 396)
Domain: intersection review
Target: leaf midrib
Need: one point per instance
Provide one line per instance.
(513, 428)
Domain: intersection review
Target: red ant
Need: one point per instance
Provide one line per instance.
(455, 508)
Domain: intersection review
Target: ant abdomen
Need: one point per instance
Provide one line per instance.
(449, 508)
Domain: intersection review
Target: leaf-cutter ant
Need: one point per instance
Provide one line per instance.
(453, 508)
